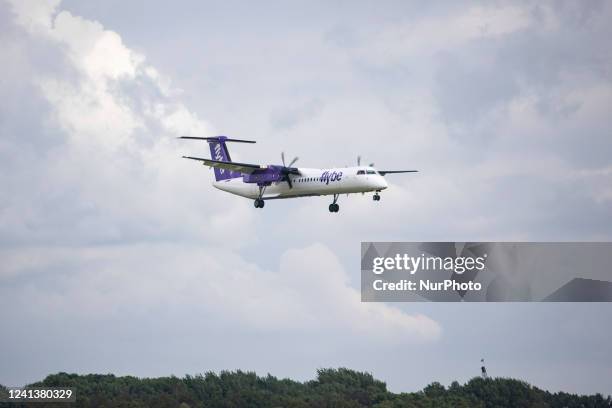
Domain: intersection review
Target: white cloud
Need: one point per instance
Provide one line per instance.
(118, 155)
(438, 33)
(34, 14)
(308, 293)
(93, 104)
(118, 163)
(91, 114)
(321, 285)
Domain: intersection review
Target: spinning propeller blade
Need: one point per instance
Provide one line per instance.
(287, 169)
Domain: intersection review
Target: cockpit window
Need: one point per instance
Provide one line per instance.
(360, 172)
(371, 172)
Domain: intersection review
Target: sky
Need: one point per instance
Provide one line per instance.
(119, 257)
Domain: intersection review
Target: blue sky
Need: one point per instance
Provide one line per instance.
(119, 257)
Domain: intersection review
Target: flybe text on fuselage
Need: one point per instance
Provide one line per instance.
(328, 176)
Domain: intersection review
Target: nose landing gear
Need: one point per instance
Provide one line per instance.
(333, 207)
(376, 197)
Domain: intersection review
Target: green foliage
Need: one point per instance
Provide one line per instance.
(342, 388)
(3, 392)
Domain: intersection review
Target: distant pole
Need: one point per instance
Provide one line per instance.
(483, 369)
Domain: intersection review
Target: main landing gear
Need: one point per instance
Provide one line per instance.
(334, 207)
(376, 196)
(259, 202)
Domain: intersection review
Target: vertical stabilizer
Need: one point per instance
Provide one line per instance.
(219, 152)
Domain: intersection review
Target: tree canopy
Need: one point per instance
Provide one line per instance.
(340, 387)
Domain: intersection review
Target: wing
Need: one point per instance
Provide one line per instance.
(384, 172)
(232, 166)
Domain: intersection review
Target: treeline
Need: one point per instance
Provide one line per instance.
(332, 388)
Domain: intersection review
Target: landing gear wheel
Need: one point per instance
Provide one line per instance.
(376, 197)
(259, 202)
(333, 207)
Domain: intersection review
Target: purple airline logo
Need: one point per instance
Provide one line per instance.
(326, 177)
(219, 155)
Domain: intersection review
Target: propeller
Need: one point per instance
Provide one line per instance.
(359, 162)
(287, 170)
(292, 161)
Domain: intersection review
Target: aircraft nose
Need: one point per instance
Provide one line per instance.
(382, 183)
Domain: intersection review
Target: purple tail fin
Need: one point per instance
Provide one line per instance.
(219, 152)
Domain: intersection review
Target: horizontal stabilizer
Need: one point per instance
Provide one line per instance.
(217, 139)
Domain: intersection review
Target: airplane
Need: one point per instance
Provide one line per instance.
(274, 181)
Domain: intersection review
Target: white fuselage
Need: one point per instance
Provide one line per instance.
(311, 182)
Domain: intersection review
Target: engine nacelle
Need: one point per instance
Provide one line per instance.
(265, 176)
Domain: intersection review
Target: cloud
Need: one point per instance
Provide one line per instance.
(309, 292)
(287, 119)
(435, 33)
(33, 14)
(102, 221)
(113, 170)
